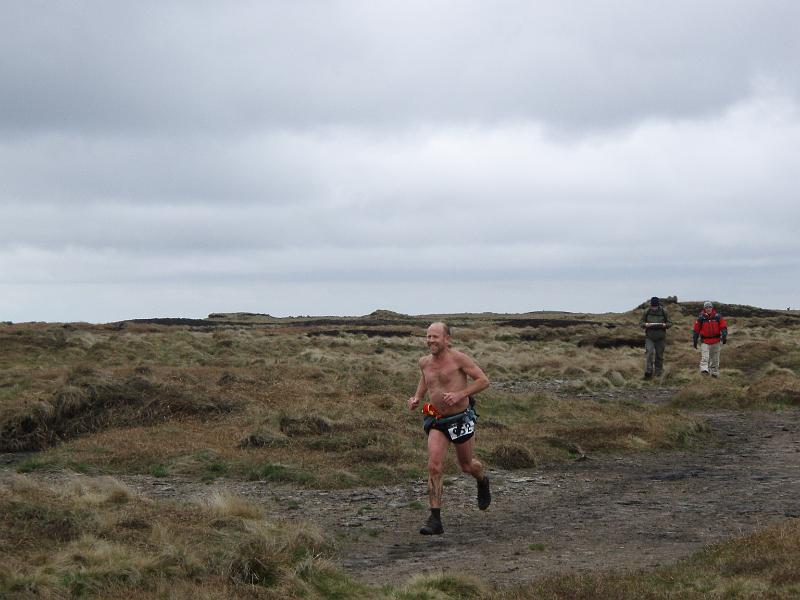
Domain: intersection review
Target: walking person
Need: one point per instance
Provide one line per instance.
(655, 322)
(449, 417)
(712, 330)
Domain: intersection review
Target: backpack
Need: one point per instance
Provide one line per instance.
(657, 310)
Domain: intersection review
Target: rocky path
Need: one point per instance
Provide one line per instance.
(632, 512)
(607, 512)
(635, 511)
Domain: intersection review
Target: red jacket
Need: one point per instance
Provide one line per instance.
(710, 327)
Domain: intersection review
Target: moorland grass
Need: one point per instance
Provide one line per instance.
(311, 445)
(279, 402)
(284, 403)
(95, 538)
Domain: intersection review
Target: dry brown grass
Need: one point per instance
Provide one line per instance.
(98, 539)
(552, 428)
(89, 401)
(778, 386)
(321, 402)
(225, 505)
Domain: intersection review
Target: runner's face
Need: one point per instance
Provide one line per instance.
(436, 339)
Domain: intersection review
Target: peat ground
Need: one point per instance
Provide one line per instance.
(603, 512)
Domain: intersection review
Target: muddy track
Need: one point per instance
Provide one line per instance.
(611, 512)
(633, 511)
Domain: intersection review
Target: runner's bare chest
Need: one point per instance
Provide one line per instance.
(444, 375)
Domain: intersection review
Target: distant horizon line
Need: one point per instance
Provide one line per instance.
(210, 317)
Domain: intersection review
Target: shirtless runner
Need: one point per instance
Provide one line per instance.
(449, 417)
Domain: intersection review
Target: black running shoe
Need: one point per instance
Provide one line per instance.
(484, 494)
(433, 526)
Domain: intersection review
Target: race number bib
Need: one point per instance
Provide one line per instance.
(461, 429)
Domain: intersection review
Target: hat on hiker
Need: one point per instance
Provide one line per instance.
(707, 304)
(654, 301)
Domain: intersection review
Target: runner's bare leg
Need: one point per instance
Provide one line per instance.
(467, 461)
(437, 451)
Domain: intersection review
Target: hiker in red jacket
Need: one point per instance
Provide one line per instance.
(712, 329)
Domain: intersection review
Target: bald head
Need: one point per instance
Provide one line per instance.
(438, 337)
(442, 326)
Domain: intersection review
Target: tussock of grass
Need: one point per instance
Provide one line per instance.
(442, 586)
(224, 505)
(89, 402)
(707, 393)
(773, 389)
(779, 386)
(100, 490)
(790, 360)
(289, 558)
(70, 546)
(750, 357)
(32, 515)
(546, 427)
(88, 564)
(512, 456)
(202, 461)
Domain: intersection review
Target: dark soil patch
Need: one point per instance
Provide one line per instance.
(355, 322)
(171, 321)
(612, 341)
(556, 323)
(368, 332)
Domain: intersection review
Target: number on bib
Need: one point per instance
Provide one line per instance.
(459, 430)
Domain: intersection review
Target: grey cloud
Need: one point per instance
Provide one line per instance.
(495, 187)
(75, 169)
(189, 157)
(187, 66)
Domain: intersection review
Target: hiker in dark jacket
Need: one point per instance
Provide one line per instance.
(655, 322)
(712, 329)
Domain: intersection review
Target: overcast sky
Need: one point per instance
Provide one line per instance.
(173, 159)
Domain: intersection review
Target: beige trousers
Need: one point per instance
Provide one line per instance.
(709, 358)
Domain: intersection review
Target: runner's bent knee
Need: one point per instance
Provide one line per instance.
(469, 467)
(435, 467)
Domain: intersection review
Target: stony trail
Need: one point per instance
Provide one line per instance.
(632, 511)
(636, 511)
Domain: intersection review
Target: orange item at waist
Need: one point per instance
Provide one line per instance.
(431, 411)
